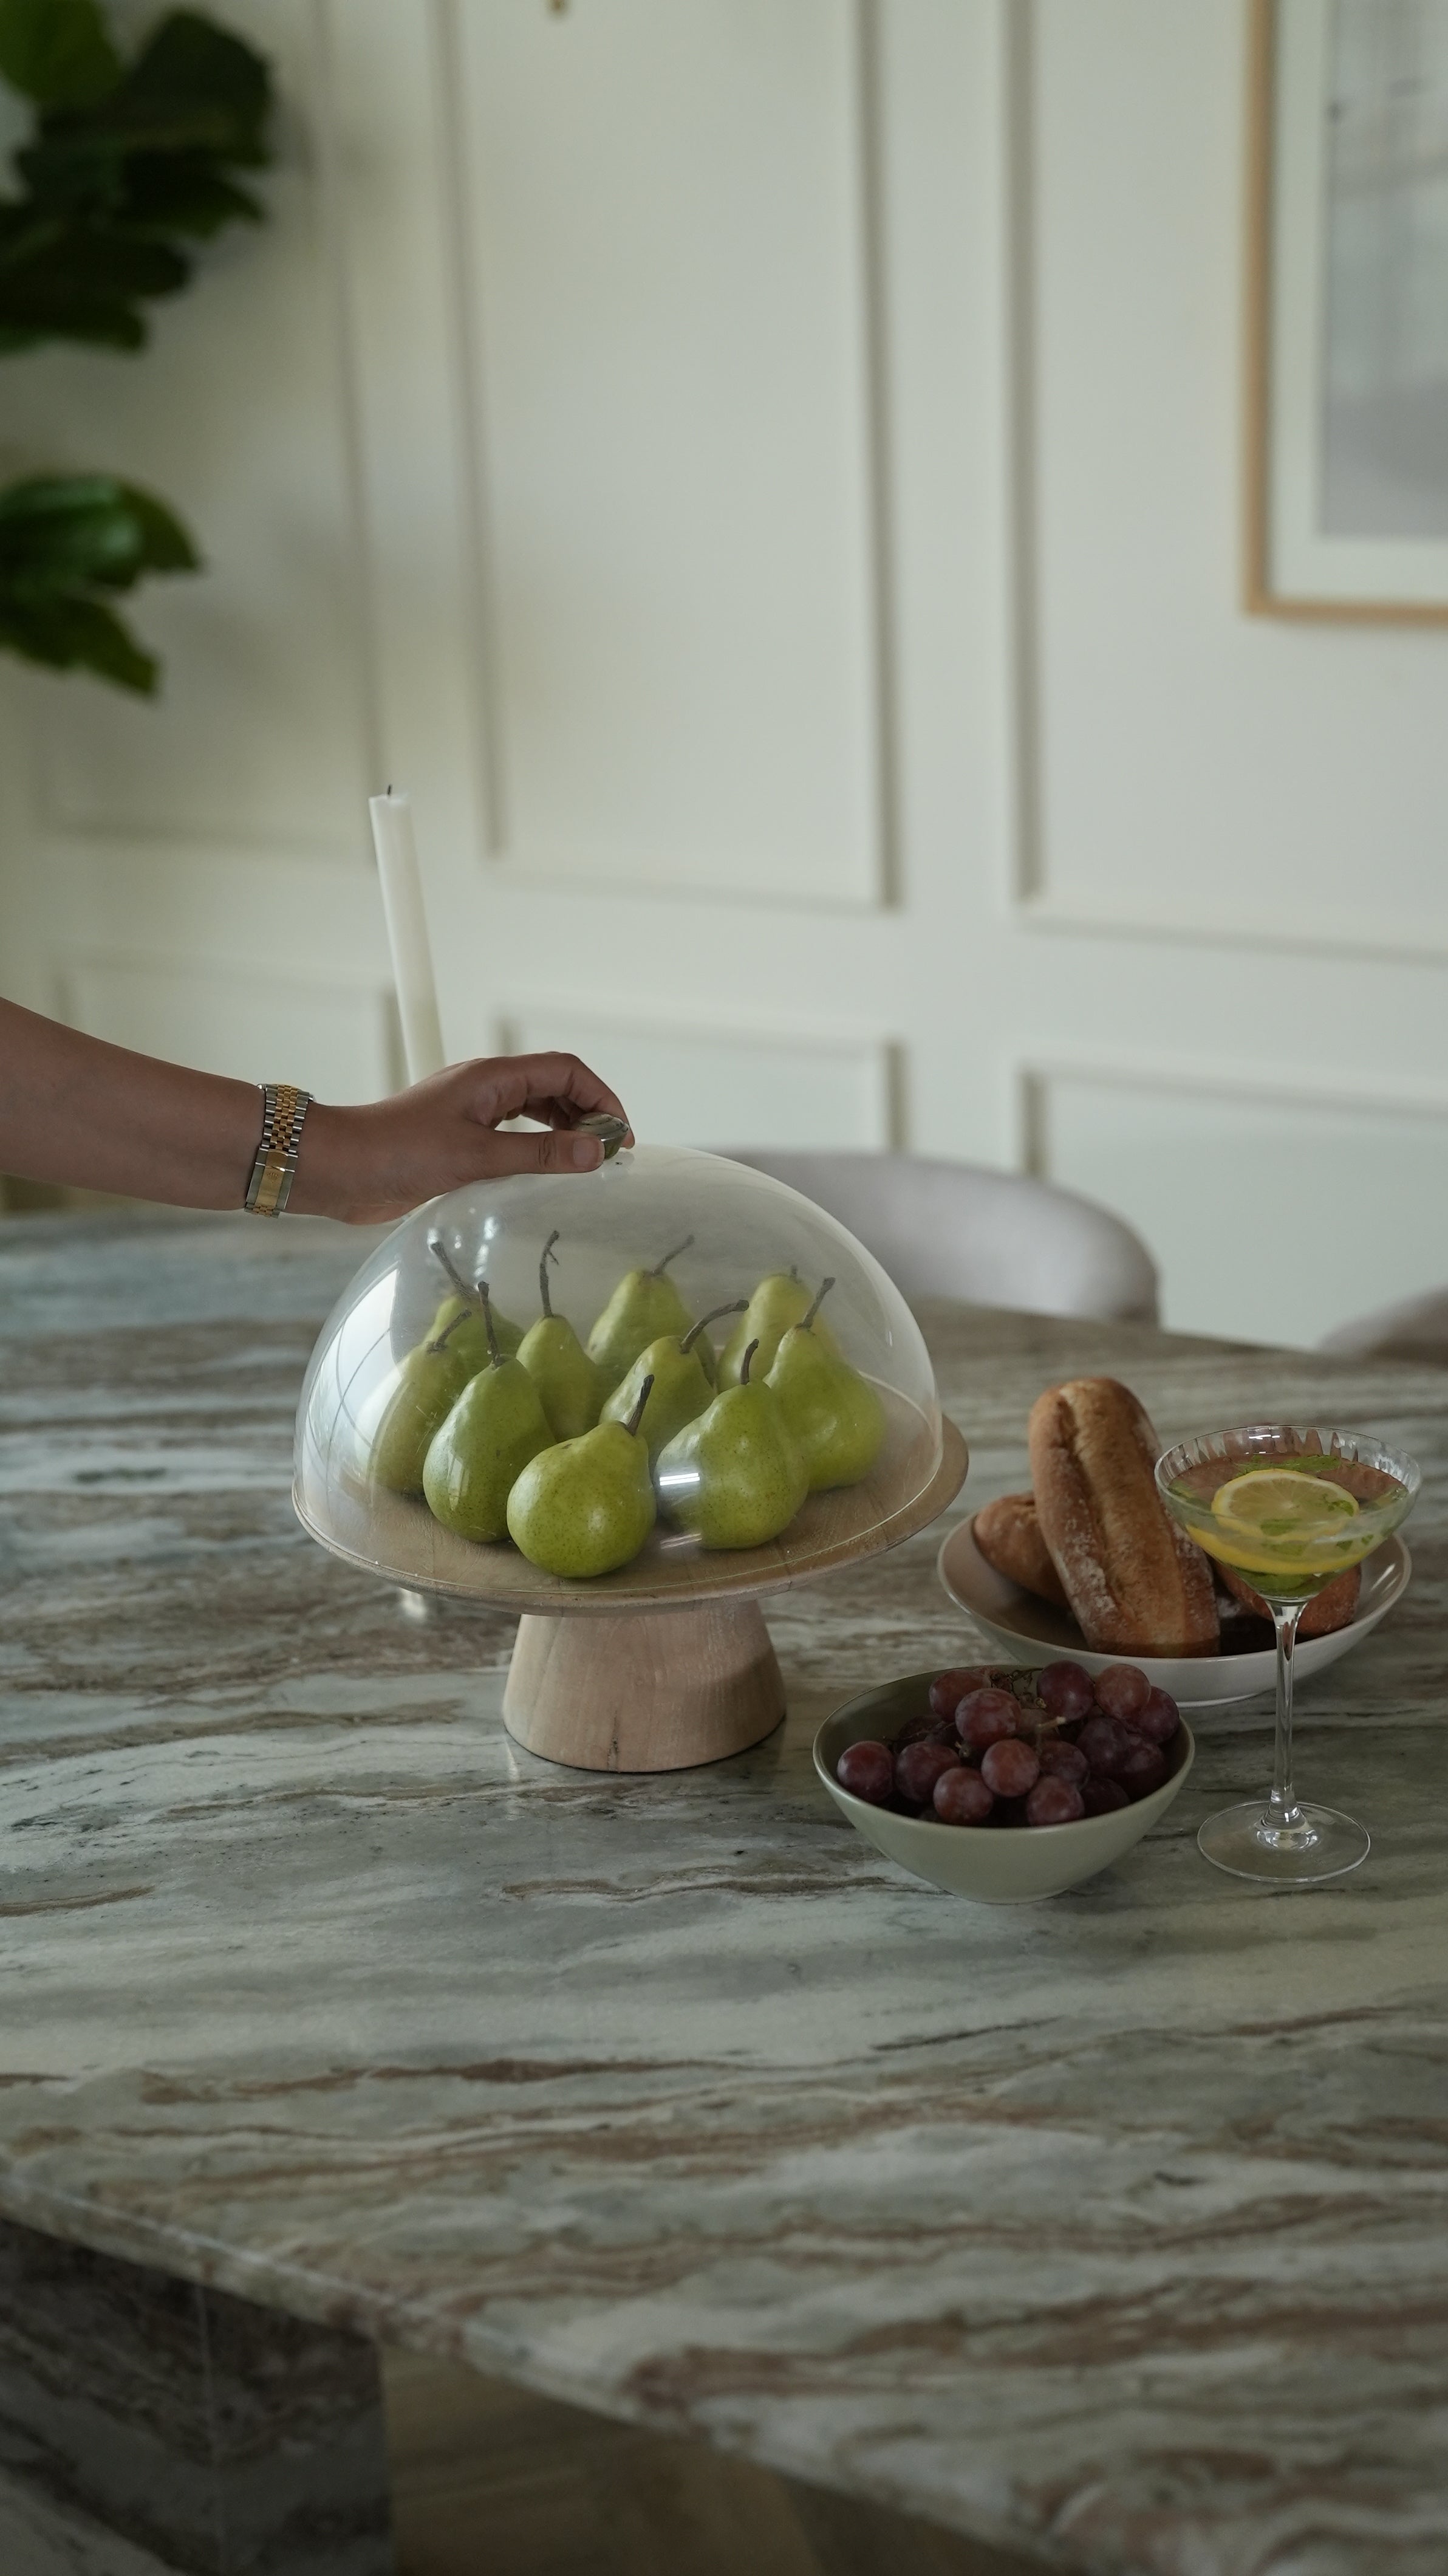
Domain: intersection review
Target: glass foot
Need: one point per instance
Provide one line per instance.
(1246, 1841)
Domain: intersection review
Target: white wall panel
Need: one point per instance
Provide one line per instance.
(666, 303)
(713, 1087)
(340, 1044)
(1274, 1217)
(1195, 765)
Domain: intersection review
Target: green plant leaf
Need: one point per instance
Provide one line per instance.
(194, 90)
(66, 533)
(68, 281)
(181, 192)
(192, 72)
(83, 634)
(58, 52)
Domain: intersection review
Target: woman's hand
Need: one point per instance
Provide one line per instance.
(371, 1164)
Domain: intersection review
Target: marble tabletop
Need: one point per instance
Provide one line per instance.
(1114, 2230)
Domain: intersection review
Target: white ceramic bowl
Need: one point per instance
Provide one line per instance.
(1027, 1630)
(1012, 1868)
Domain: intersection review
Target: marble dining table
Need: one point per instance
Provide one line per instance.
(1110, 2232)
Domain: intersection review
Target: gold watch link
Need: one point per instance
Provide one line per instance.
(275, 1168)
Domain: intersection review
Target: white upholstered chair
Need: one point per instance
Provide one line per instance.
(990, 1238)
(1415, 1330)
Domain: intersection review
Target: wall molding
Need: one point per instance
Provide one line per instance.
(1030, 902)
(1031, 1078)
(879, 1055)
(502, 848)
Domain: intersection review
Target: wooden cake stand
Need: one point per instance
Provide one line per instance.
(668, 1662)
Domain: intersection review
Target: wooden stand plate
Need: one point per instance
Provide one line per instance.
(668, 1662)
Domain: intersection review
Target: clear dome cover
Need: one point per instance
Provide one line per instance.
(526, 1465)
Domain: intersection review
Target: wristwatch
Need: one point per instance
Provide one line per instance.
(275, 1168)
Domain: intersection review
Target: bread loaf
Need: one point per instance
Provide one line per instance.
(1134, 1580)
(1008, 1535)
(1335, 1606)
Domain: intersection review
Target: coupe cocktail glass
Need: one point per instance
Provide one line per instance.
(1290, 1509)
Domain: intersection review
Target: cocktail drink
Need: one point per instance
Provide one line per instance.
(1291, 1509)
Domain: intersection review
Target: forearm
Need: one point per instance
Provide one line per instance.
(97, 1117)
(76, 1110)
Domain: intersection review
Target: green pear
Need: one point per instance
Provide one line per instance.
(835, 1414)
(588, 1505)
(734, 1476)
(675, 1367)
(495, 1427)
(644, 1306)
(429, 1382)
(779, 1301)
(473, 1343)
(571, 1387)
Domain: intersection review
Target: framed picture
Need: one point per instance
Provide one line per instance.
(1347, 356)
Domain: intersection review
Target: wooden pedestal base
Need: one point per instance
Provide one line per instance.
(644, 1690)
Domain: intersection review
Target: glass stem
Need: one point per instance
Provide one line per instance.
(1284, 1816)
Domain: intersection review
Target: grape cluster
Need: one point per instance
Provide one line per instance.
(1020, 1748)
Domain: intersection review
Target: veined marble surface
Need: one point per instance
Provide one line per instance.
(1114, 2229)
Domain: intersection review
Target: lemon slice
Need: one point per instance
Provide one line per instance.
(1275, 1502)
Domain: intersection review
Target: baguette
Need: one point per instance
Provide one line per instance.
(1134, 1580)
(1008, 1535)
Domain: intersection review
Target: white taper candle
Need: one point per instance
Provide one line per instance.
(402, 903)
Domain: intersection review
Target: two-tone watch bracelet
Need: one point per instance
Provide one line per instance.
(275, 1168)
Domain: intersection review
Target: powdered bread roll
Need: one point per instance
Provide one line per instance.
(1134, 1580)
(1331, 1608)
(1008, 1535)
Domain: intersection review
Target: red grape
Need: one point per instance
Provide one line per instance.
(1099, 1796)
(1160, 1718)
(867, 1770)
(924, 1730)
(984, 1717)
(1009, 1767)
(1054, 1802)
(1106, 1744)
(1143, 1770)
(1065, 1689)
(919, 1766)
(915, 1730)
(1008, 1811)
(961, 1797)
(1062, 1761)
(949, 1689)
(1121, 1690)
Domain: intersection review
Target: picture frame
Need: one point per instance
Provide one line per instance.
(1346, 373)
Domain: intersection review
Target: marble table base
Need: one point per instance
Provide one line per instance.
(152, 2428)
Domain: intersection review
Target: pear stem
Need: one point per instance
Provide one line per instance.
(445, 1336)
(494, 1354)
(637, 1415)
(548, 1255)
(825, 1287)
(735, 1306)
(660, 1267)
(440, 1252)
(744, 1363)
